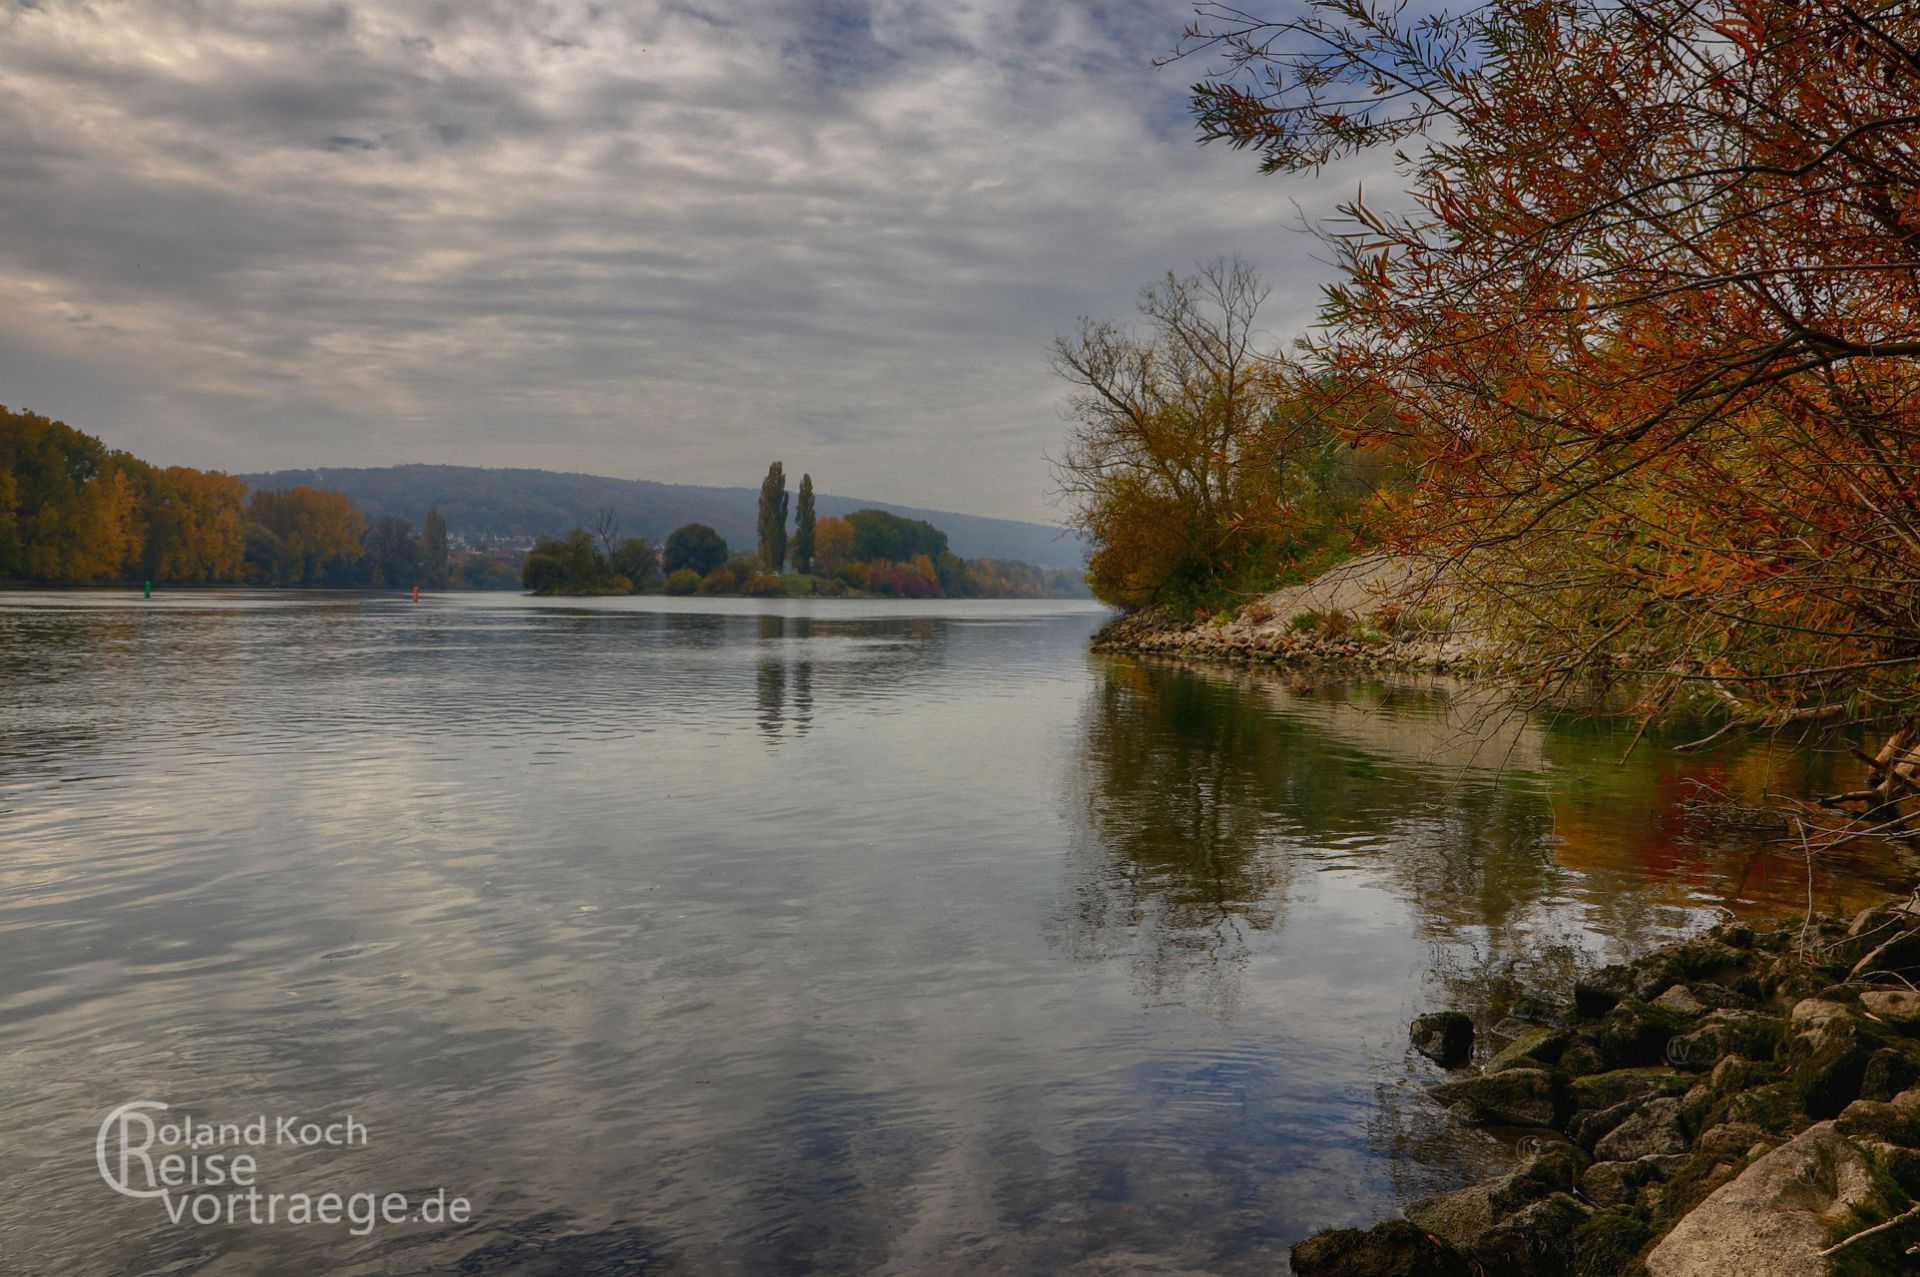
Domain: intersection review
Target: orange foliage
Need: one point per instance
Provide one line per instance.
(1652, 327)
(832, 545)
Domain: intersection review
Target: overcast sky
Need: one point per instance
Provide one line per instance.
(666, 241)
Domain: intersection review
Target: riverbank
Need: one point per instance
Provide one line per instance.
(1744, 1102)
(1376, 611)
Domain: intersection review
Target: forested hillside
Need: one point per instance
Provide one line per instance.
(481, 503)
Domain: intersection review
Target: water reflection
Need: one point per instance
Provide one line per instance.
(716, 938)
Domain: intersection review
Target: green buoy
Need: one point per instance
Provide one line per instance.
(149, 589)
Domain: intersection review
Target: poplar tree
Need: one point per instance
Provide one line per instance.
(803, 518)
(773, 517)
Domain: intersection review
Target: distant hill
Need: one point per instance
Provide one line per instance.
(482, 503)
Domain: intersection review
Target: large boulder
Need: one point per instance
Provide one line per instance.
(1773, 1217)
(1393, 1249)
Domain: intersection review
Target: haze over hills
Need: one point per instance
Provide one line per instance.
(482, 503)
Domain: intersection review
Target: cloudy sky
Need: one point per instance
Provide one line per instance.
(654, 240)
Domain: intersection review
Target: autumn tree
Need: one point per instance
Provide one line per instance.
(1177, 468)
(435, 565)
(773, 518)
(832, 545)
(194, 528)
(302, 536)
(803, 521)
(1650, 324)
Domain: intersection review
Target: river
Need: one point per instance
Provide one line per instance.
(727, 937)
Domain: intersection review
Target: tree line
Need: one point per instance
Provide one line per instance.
(74, 510)
(867, 552)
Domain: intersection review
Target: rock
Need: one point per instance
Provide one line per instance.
(1829, 1065)
(1596, 993)
(1812, 1017)
(1393, 1249)
(1445, 1037)
(1513, 1097)
(1656, 1129)
(1534, 1241)
(1587, 1128)
(1603, 1090)
(1898, 1007)
(1788, 978)
(1772, 1108)
(1606, 1242)
(1731, 1141)
(1533, 1049)
(1614, 1183)
(1888, 1073)
(1896, 1120)
(1898, 956)
(1582, 1057)
(1772, 1218)
(1681, 1001)
(1461, 1218)
(1723, 1033)
(1872, 927)
(1636, 1033)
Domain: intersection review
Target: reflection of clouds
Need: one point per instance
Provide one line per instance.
(523, 886)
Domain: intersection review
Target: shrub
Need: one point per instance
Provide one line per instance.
(762, 586)
(684, 581)
(1306, 622)
(1257, 611)
(718, 581)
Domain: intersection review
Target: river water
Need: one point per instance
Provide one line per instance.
(726, 937)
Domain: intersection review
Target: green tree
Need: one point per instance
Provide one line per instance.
(393, 551)
(694, 546)
(435, 565)
(637, 559)
(803, 519)
(880, 535)
(571, 565)
(773, 518)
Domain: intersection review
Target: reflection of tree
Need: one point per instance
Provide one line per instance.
(1204, 796)
(1177, 803)
(1517, 850)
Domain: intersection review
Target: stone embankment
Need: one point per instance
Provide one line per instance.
(1746, 1103)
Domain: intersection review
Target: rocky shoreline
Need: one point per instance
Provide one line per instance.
(1239, 639)
(1376, 611)
(1746, 1102)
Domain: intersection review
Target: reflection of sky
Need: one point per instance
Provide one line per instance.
(738, 938)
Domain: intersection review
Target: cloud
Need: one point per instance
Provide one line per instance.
(660, 240)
